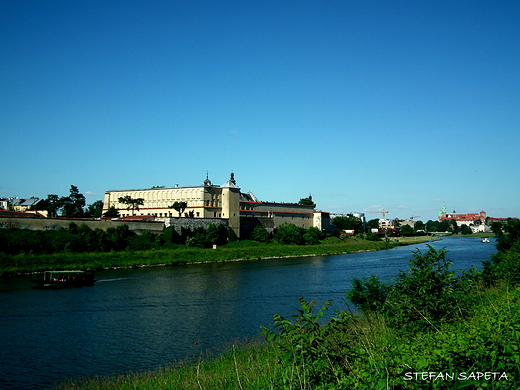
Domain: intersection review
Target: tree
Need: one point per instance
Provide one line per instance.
(179, 207)
(348, 223)
(464, 229)
(260, 234)
(133, 203)
(52, 204)
(373, 224)
(419, 225)
(72, 205)
(290, 234)
(428, 294)
(307, 202)
(455, 226)
(112, 212)
(312, 236)
(94, 210)
(407, 230)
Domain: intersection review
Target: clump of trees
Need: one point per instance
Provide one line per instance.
(447, 226)
(81, 238)
(288, 234)
(71, 206)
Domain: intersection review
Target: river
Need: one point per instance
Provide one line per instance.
(141, 319)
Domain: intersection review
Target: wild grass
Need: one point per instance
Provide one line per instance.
(246, 365)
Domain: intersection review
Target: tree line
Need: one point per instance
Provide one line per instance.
(72, 206)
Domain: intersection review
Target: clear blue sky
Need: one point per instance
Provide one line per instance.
(401, 105)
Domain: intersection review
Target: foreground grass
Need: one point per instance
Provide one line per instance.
(244, 366)
(179, 255)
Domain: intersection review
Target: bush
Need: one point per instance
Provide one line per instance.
(312, 236)
(425, 296)
(290, 234)
(307, 353)
(260, 234)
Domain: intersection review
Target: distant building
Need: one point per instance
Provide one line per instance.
(21, 204)
(242, 211)
(475, 221)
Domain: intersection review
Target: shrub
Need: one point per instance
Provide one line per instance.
(306, 353)
(425, 296)
(290, 234)
(312, 236)
(260, 234)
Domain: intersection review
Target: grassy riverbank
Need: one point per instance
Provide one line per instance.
(181, 254)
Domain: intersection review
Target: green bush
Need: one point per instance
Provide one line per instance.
(260, 234)
(421, 298)
(290, 234)
(306, 353)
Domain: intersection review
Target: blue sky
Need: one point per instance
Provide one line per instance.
(366, 105)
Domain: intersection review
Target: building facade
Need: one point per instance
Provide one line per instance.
(242, 211)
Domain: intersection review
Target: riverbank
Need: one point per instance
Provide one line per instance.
(181, 255)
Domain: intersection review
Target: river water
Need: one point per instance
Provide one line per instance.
(133, 320)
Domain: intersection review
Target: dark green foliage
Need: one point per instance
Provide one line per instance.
(504, 265)
(142, 242)
(464, 229)
(306, 352)
(290, 234)
(508, 234)
(348, 223)
(372, 237)
(170, 236)
(428, 294)
(179, 207)
(72, 205)
(94, 210)
(76, 239)
(112, 212)
(373, 224)
(369, 294)
(312, 236)
(407, 230)
(423, 297)
(260, 234)
(307, 202)
(410, 326)
(132, 203)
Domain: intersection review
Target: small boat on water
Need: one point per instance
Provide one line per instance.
(59, 279)
(484, 239)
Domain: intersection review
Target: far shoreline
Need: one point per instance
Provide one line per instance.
(19, 265)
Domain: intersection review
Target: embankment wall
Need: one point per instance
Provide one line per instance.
(135, 226)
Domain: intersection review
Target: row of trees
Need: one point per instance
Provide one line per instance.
(81, 238)
(354, 223)
(72, 206)
(288, 234)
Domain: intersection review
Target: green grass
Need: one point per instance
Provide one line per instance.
(242, 366)
(179, 255)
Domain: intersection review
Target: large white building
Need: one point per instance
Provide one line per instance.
(243, 211)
